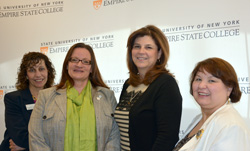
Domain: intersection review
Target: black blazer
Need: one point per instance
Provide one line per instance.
(154, 119)
(17, 118)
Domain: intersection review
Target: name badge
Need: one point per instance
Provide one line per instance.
(30, 106)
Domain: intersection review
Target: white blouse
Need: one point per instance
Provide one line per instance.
(224, 130)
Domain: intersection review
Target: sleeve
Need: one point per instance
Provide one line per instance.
(15, 122)
(36, 137)
(168, 106)
(113, 143)
(232, 138)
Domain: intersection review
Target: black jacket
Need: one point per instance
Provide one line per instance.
(154, 120)
(17, 118)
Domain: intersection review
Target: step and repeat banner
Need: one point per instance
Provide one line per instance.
(196, 30)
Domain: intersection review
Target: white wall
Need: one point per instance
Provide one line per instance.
(196, 30)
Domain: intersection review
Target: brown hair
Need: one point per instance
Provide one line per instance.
(29, 60)
(220, 69)
(94, 77)
(160, 67)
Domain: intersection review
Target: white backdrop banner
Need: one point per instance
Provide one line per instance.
(196, 30)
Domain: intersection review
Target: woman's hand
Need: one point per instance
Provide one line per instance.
(14, 147)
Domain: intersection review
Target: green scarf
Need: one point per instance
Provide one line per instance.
(80, 131)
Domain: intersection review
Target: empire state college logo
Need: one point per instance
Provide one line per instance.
(97, 4)
(44, 50)
(1, 94)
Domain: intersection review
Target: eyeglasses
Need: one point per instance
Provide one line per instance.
(76, 60)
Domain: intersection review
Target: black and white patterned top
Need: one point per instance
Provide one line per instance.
(127, 100)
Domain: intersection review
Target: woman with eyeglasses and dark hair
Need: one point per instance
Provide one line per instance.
(77, 114)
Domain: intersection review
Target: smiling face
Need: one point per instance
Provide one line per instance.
(209, 92)
(37, 75)
(79, 72)
(145, 54)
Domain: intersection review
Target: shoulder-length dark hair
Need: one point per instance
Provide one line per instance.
(220, 69)
(94, 77)
(160, 67)
(29, 60)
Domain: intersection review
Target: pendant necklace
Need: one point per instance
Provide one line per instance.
(133, 96)
(34, 98)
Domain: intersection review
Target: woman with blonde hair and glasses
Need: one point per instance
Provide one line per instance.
(77, 114)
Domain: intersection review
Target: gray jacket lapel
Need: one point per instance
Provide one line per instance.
(61, 100)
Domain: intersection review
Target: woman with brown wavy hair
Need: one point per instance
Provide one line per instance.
(219, 127)
(149, 111)
(77, 114)
(36, 72)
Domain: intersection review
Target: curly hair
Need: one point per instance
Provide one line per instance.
(29, 60)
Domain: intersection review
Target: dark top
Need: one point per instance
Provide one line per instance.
(182, 142)
(154, 119)
(17, 118)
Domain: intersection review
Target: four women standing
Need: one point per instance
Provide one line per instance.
(78, 113)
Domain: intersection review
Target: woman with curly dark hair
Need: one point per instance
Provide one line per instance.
(36, 72)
